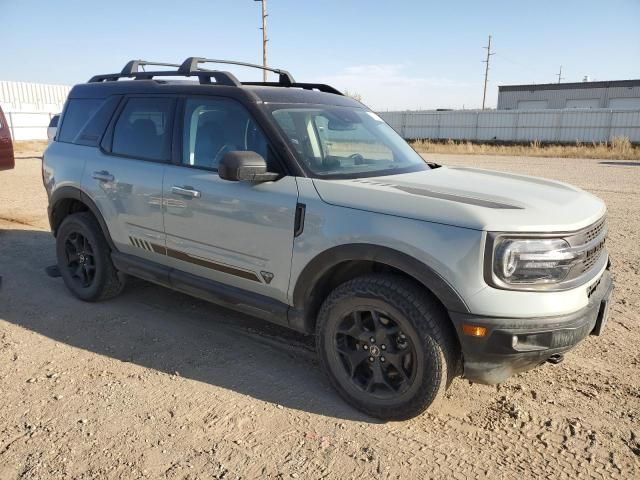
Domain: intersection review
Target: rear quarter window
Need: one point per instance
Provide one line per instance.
(77, 114)
(54, 121)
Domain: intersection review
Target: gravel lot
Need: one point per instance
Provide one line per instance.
(155, 384)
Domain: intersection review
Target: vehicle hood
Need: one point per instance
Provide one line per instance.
(471, 198)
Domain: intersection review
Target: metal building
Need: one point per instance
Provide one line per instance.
(615, 94)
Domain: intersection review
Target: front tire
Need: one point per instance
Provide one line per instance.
(84, 259)
(386, 345)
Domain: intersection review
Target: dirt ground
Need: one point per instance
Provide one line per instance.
(155, 384)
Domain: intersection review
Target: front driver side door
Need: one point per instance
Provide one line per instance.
(236, 233)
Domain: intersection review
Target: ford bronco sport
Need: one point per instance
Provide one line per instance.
(293, 203)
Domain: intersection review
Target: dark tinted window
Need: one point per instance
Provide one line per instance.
(54, 121)
(78, 112)
(143, 129)
(213, 127)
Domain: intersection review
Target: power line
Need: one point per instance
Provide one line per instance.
(264, 37)
(486, 71)
(559, 75)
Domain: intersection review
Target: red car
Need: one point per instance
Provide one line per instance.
(6, 146)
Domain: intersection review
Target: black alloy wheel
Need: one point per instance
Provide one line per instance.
(80, 259)
(375, 353)
(84, 259)
(387, 345)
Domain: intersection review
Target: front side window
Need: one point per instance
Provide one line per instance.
(143, 129)
(213, 127)
(345, 142)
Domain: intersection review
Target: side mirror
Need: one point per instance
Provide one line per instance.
(244, 166)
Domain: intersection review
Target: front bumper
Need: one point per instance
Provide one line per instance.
(513, 345)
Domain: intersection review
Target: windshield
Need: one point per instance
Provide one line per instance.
(345, 142)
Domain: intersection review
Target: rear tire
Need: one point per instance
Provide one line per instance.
(84, 259)
(387, 346)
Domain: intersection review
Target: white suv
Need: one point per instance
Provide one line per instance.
(296, 204)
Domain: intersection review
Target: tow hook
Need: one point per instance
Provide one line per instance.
(556, 358)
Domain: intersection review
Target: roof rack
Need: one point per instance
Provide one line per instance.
(191, 68)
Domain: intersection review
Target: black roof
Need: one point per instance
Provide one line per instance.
(133, 79)
(250, 93)
(569, 86)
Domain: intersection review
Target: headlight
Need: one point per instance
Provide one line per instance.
(518, 261)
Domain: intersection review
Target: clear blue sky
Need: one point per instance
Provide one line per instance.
(395, 53)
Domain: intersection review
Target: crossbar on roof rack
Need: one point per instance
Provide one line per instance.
(132, 66)
(192, 64)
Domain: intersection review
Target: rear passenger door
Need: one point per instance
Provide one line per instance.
(236, 233)
(124, 177)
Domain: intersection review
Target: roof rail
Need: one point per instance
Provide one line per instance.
(191, 65)
(321, 87)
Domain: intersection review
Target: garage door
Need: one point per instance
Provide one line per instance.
(532, 104)
(583, 103)
(625, 103)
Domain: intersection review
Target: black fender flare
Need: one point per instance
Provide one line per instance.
(325, 261)
(74, 193)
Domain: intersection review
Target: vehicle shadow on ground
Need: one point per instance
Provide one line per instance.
(167, 331)
(620, 163)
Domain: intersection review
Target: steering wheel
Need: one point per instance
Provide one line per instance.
(357, 158)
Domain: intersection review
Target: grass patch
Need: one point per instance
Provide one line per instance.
(618, 149)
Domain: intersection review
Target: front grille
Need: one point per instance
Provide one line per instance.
(592, 256)
(591, 244)
(595, 231)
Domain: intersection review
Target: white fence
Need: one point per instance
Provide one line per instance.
(596, 125)
(28, 125)
(561, 126)
(28, 107)
(32, 97)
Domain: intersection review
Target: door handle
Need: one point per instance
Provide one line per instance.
(186, 191)
(103, 176)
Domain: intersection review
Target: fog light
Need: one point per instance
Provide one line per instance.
(474, 330)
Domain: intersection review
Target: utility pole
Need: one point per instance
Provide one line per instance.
(264, 38)
(559, 75)
(486, 71)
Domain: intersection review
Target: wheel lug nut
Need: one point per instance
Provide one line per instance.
(366, 347)
(371, 359)
(372, 340)
(383, 347)
(382, 359)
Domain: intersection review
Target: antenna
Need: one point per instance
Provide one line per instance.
(559, 75)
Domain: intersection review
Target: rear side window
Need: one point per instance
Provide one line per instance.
(143, 129)
(78, 112)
